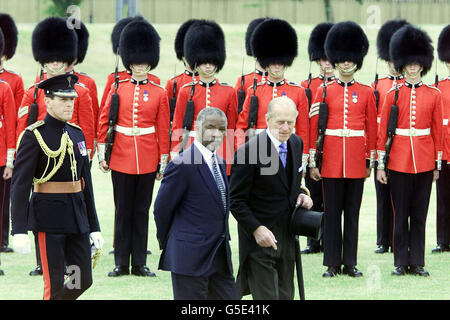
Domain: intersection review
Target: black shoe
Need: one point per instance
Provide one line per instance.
(119, 271)
(419, 271)
(142, 271)
(331, 272)
(1, 272)
(309, 250)
(148, 251)
(36, 272)
(440, 248)
(382, 249)
(6, 249)
(352, 271)
(400, 271)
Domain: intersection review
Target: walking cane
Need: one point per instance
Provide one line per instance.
(298, 266)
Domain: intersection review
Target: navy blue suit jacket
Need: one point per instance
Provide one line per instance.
(189, 215)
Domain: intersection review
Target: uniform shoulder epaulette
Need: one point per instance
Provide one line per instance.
(73, 125)
(3, 81)
(365, 85)
(189, 84)
(328, 83)
(430, 86)
(123, 80)
(393, 88)
(84, 74)
(13, 72)
(31, 86)
(293, 84)
(35, 125)
(260, 83)
(156, 84)
(225, 84)
(81, 85)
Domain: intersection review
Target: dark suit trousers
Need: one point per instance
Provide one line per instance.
(410, 197)
(443, 206)
(5, 186)
(56, 251)
(217, 284)
(315, 188)
(132, 197)
(341, 195)
(271, 273)
(385, 214)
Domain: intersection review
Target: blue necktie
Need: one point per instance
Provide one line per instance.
(283, 153)
(219, 182)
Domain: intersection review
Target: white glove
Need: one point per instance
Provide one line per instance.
(21, 243)
(97, 239)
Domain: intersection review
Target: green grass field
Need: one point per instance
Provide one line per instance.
(377, 282)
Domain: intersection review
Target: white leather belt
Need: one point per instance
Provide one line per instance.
(413, 132)
(344, 133)
(134, 131)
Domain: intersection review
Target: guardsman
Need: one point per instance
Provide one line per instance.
(204, 48)
(9, 30)
(83, 79)
(134, 145)
(174, 85)
(316, 53)
(124, 74)
(410, 142)
(259, 75)
(8, 142)
(61, 208)
(274, 45)
(385, 214)
(443, 183)
(55, 54)
(346, 119)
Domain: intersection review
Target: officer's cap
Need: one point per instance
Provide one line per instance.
(60, 86)
(346, 41)
(274, 41)
(139, 43)
(384, 37)
(53, 40)
(181, 34)
(9, 29)
(248, 34)
(205, 43)
(316, 41)
(409, 45)
(443, 47)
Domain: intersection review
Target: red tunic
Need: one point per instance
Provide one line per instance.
(214, 94)
(143, 106)
(15, 83)
(7, 125)
(351, 129)
(419, 143)
(249, 79)
(125, 74)
(82, 113)
(266, 92)
(444, 86)
(180, 80)
(314, 85)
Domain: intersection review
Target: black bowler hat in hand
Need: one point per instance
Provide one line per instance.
(61, 86)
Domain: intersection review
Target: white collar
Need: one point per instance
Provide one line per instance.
(274, 140)
(206, 153)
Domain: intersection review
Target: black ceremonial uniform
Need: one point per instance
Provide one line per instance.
(63, 221)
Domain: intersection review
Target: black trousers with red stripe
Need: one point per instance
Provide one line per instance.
(443, 206)
(57, 251)
(341, 195)
(385, 213)
(132, 197)
(410, 199)
(4, 208)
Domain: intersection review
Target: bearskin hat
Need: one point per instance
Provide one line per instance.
(205, 43)
(316, 42)
(346, 41)
(2, 43)
(83, 41)
(274, 41)
(384, 37)
(139, 43)
(443, 47)
(53, 40)
(117, 30)
(410, 44)
(9, 30)
(248, 34)
(179, 38)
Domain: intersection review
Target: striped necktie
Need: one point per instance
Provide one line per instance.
(219, 181)
(283, 153)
